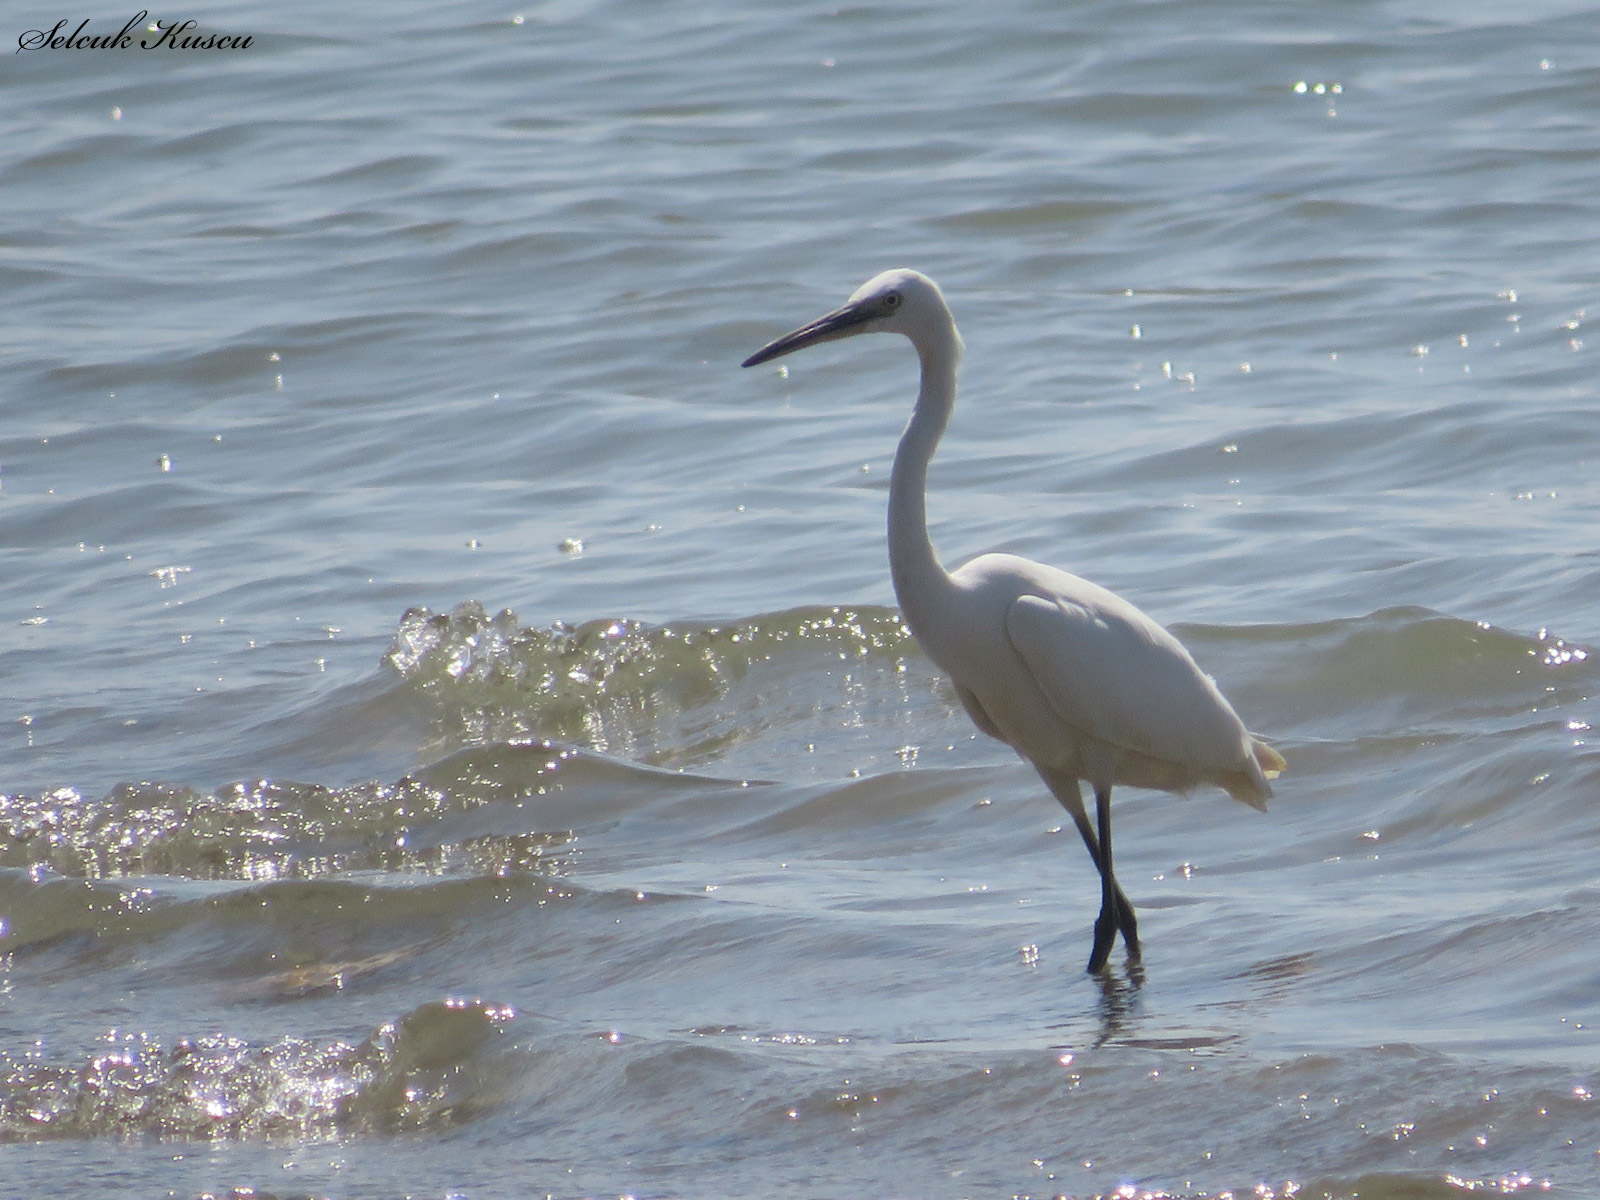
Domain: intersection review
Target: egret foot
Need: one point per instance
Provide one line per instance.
(1113, 919)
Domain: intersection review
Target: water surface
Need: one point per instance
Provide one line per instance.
(461, 738)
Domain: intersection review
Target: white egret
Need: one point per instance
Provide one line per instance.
(1074, 678)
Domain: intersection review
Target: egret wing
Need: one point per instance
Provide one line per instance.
(1110, 671)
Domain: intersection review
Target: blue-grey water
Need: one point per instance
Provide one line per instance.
(456, 734)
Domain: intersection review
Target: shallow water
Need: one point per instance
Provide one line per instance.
(461, 741)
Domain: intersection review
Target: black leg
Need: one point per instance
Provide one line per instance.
(1120, 908)
(1105, 925)
(1115, 911)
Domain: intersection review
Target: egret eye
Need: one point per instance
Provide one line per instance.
(891, 300)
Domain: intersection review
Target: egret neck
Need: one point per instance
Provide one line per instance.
(919, 578)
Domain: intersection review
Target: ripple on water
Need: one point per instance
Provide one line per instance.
(437, 1066)
(678, 695)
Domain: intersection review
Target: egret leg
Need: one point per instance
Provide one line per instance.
(1115, 911)
(1124, 907)
(1069, 794)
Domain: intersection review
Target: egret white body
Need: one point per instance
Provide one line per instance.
(1077, 680)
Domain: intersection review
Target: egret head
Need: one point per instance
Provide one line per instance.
(897, 301)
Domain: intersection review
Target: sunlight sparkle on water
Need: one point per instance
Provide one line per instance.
(1506, 1185)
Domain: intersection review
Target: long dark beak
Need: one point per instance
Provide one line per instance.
(841, 322)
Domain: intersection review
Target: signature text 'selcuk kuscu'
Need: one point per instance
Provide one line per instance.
(173, 35)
